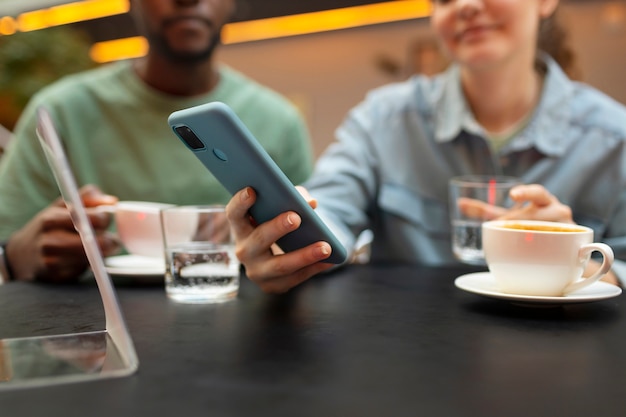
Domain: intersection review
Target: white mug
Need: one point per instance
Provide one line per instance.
(539, 258)
(138, 225)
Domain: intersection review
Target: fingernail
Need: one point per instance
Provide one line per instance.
(323, 251)
(109, 199)
(245, 195)
(289, 220)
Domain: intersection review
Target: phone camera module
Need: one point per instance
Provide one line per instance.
(189, 137)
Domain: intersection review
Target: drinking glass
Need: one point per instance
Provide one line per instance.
(472, 201)
(200, 261)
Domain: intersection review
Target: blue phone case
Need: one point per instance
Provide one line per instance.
(221, 141)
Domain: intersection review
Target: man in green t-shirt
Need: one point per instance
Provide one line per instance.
(113, 121)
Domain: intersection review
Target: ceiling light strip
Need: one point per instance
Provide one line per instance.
(117, 49)
(323, 21)
(70, 13)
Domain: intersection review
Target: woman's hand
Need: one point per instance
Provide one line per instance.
(266, 265)
(531, 202)
(535, 202)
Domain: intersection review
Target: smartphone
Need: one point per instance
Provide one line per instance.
(220, 140)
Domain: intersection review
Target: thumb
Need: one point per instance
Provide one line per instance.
(92, 196)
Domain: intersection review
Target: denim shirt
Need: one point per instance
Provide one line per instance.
(389, 169)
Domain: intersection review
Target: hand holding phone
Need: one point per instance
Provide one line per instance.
(221, 141)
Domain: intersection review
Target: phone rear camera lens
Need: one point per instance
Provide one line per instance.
(189, 137)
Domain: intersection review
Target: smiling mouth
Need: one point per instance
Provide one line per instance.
(471, 33)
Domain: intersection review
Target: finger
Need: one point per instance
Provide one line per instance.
(289, 263)
(64, 243)
(292, 268)
(59, 202)
(477, 209)
(99, 219)
(92, 196)
(54, 218)
(237, 211)
(261, 238)
(62, 255)
(533, 193)
(108, 243)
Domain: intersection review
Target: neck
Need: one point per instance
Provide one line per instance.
(499, 99)
(180, 79)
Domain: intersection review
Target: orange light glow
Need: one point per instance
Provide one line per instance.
(71, 13)
(8, 25)
(119, 49)
(305, 23)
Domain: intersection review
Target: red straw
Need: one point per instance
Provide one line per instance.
(491, 197)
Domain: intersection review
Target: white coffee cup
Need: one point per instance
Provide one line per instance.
(138, 225)
(539, 258)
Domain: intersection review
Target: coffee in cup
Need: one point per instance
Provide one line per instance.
(538, 258)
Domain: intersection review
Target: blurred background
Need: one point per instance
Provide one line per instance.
(332, 54)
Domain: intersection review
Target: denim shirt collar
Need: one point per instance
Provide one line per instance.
(546, 126)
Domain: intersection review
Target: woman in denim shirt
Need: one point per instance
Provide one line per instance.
(503, 107)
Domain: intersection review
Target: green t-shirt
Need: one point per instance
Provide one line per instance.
(116, 135)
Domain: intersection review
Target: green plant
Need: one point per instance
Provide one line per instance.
(31, 60)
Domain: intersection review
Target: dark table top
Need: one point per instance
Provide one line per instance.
(362, 341)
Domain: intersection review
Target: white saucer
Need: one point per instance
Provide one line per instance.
(483, 283)
(133, 265)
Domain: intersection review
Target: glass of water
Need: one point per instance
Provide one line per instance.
(200, 261)
(473, 200)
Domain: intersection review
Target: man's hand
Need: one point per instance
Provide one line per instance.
(49, 248)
